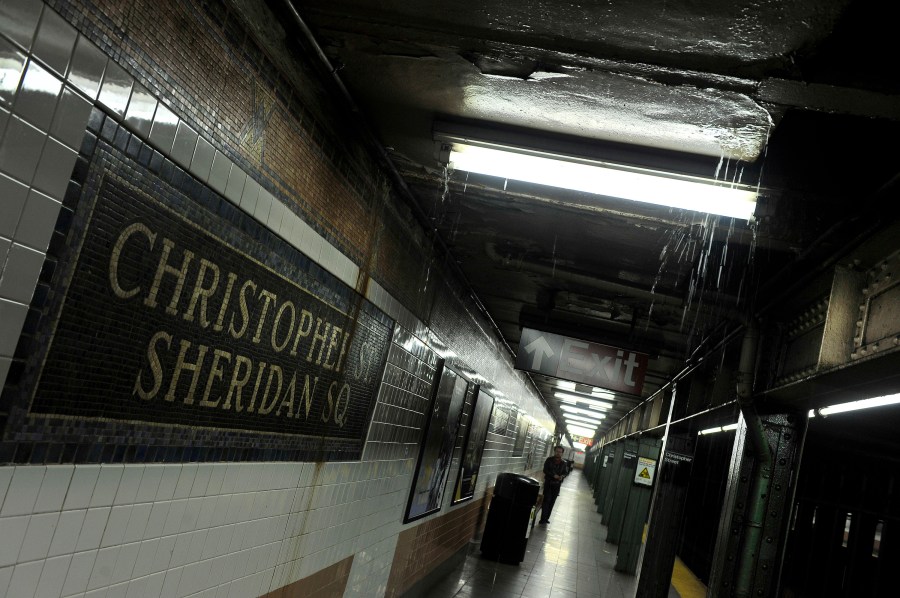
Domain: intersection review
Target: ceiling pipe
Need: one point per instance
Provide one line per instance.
(396, 178)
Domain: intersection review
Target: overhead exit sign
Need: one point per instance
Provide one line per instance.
(582, 361)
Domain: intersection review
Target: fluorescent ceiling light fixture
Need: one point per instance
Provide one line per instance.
(727, 428)
(601, 178)
(577, 419)
(565, 384)
(579, 446)
(856, 405)
(593, 414)
(582, 399)
(602, 394)
(579, 431)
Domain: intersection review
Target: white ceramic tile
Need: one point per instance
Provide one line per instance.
(101, 574)
(114, 591)
(170, 585)
(71, 118)
(14, 196)
(263, 206)
(88, 64)
(116, 525)
(54, 42)
(92, 529)
(107, 485)
(13, 67)
(5, 577)
(37, 221)
(146, 555)
(154, 585)
(25, 579)
(79, 572)
(191, 515)
(174, 516)
(23, 266)
(141, 109)
(12, 316)
(235, 187)
(201, 479)
(81, 487)
(159, 513)
(185, 143)
(129, 484)
(53, 488)
(169, 480)
(150, 480)
(164, 553)
(312, 245)
(219, 172)
(38, 537)
(163, 129)
(250, 196)
(37, 96)
(19, 20)
(68, 527)
(125, 562)
(23, 490)
(115, 91)
(185, 480)
(55, 169)
(201, 162)
(20, 149)
(12, 530)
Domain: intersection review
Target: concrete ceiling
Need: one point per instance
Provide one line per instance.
(790, 96)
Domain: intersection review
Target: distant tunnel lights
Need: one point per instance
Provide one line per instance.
(636, 184)
(727, 428)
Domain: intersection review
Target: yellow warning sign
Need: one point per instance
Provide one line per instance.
(644, 472)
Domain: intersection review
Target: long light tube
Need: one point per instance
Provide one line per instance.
(582, 420)
(587, 412)
(863, 404)
(690, 193)
(582, 399)
(727, 428)
(586, 432)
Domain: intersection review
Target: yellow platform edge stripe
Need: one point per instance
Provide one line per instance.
(686, 583)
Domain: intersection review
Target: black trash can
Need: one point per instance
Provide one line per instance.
(509, 518)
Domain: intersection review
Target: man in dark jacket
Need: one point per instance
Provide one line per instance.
(555, 470)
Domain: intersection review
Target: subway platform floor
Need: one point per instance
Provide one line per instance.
(567, 558)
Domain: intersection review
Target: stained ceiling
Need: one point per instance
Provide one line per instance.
(787, 96)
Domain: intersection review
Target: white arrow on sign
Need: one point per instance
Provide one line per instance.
(539, 347)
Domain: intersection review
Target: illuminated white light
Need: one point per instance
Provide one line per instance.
(581, 411)
(565, 385)
(602, 394)
(727, 428)
(583, 421)
(578, 445)
(580, 399)
(690, 193)
(579, 431)
(863, 404)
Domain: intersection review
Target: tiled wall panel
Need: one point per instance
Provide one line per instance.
(213, 528)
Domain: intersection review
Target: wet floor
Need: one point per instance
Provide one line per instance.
(568, 558)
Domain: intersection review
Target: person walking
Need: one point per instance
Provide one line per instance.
(555, 471)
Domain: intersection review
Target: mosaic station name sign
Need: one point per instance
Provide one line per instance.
(165, 322)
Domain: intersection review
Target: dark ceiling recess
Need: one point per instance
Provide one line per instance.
(787, 96)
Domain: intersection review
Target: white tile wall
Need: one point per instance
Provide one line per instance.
(217, 530)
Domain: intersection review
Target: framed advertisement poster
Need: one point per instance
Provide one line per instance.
(473, 448)
(436, 447)
(523, 426)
